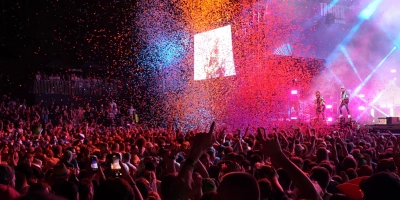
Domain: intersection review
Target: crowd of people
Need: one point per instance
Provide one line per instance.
(71, 77)
(57, 152)
(74, 84)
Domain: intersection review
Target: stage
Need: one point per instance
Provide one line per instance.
(394, 128)
(391, 124)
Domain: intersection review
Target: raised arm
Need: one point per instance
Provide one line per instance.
(272, 149)
(284, 140)
(312, 148)
(201, 169)
(202, 141)
(334, 151)
(129, 179)
(247, 131)
(301, 136)
(396, 155)
(170, 167)
(344, 147)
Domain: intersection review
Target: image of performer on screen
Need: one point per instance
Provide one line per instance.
(319, 103)
(214, 67)
(344, 101)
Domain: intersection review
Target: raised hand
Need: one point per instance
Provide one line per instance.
(125, 173)
(396, 153)
(197, 179)
(203, 141)
(344, 176)
(153, 181)
(270, 146)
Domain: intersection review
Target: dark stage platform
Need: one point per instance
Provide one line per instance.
(394, 128)
(391, 124)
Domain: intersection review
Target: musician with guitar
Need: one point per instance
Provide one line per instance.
(319, 103)
(344, 101)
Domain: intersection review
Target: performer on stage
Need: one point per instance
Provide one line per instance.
(215, 68)
(319, 103)
(344, 101)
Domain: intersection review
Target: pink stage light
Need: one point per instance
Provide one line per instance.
(293, 118)
(329, 106)
(294, 92)
(329, 119)
(383, 106)
(393, 71)
(361, 95)
(361, 108)
(390, 105)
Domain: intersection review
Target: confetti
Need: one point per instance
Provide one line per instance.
(147, 47)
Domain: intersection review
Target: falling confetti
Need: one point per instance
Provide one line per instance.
(145, 49)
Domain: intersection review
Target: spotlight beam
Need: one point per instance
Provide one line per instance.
(346, 39)
(334, 76)
(369, 10)
(359, 87)
(386, 115)
(397, 41)
(376, 108)
(364, 15)
(347, 56)
(377, 97)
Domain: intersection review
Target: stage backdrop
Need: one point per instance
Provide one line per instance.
(277, 46)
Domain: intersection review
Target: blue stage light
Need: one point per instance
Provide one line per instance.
(369, 10)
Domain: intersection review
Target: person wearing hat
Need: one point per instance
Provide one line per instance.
(67, 158)
(208, 185)
(73, 161)
(36, 166)
(213, 157)
(37, 163)
(60, 173)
